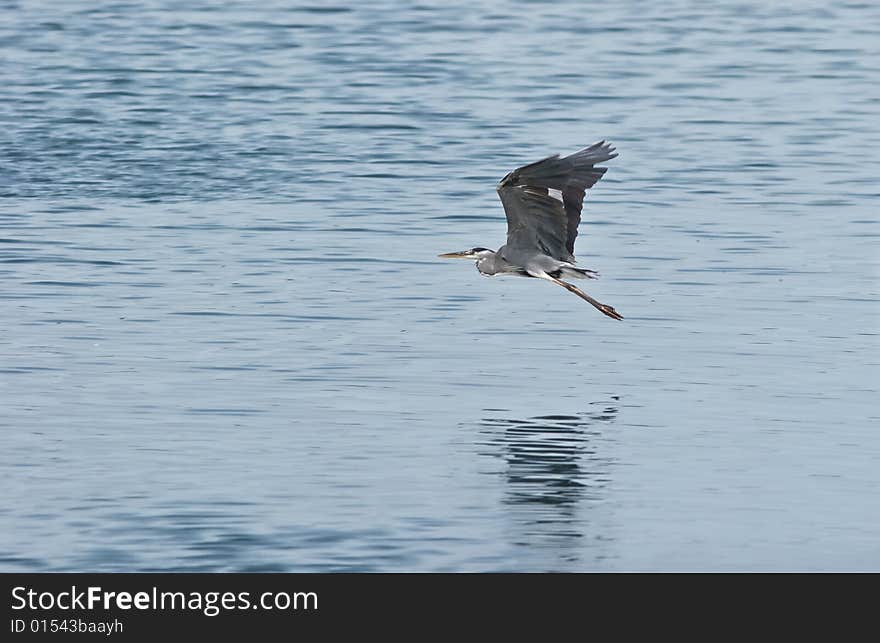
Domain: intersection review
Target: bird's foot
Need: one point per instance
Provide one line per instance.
(609, 310)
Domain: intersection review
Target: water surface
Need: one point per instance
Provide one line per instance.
(229, 346)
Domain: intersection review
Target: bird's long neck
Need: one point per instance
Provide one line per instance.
(487, 263)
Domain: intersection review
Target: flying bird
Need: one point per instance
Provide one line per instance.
(543, 202)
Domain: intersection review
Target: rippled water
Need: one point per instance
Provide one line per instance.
(228, 344)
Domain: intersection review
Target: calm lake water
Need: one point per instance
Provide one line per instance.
(228, 344)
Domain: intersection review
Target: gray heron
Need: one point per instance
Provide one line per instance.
(543, 202)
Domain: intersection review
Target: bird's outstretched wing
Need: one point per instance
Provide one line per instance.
(543, 200)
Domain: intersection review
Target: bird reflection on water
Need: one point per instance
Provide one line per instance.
(557, 472)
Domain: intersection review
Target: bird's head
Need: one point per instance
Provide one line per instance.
(473, 253)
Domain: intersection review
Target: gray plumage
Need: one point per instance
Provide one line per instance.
(543, 202)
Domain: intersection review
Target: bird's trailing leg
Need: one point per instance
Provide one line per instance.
(602, 308)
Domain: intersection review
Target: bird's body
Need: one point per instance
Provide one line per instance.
(543, 204)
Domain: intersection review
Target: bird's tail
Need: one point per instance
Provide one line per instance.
(578, 273)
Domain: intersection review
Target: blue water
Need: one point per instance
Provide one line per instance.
(228, 344)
